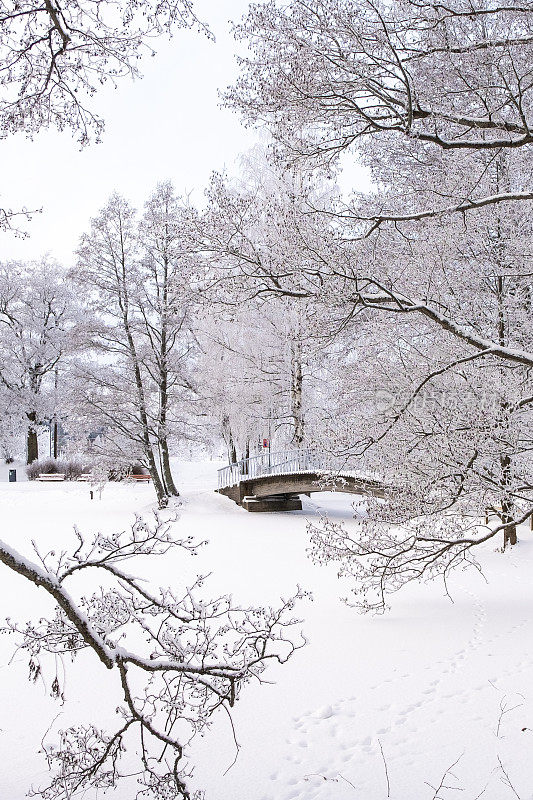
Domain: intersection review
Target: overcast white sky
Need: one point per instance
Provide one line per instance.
(167, 125)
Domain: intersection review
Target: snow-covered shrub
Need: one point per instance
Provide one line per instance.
(40, 466)
(74, 468)
(71, 468)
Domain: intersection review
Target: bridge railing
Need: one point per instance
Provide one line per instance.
(267, 463)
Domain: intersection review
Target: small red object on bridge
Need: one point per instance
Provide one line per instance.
(266, 443)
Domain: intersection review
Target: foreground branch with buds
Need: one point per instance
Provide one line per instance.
(194, 658)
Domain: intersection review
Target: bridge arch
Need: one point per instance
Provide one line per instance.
(275, 481)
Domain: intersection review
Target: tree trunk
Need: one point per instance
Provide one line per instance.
(509, 533)
(167, 472)
(245, 463)
(32, 445)
(160, 490)
(509, 536)
(228, 437)
(296, 393)
(162, 495)
(168, 480)
(55, 437)
(55, 430)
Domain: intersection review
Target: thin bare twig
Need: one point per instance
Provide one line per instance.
(386, 768)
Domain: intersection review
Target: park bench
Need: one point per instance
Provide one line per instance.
(85, 476)
(141, 478)
(51, 476)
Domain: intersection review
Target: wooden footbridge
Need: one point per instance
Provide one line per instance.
(275, 481)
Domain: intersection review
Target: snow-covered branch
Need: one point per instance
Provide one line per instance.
(196, 656)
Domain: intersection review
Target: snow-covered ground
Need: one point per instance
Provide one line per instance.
(429, 684)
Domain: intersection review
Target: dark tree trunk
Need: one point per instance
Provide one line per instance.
(56, 426)
(510, 537)
(162, 434)
(55, 437)
(32, 445)
(509, 533)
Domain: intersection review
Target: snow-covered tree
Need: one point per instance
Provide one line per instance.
(327, 74)
(165, 303)
(38, 318)
(427, 273)
(433, 84)
(261, 368)
(264, 324)
(56, 55)
(136, 278)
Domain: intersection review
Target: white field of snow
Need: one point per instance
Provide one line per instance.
(427, 685)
